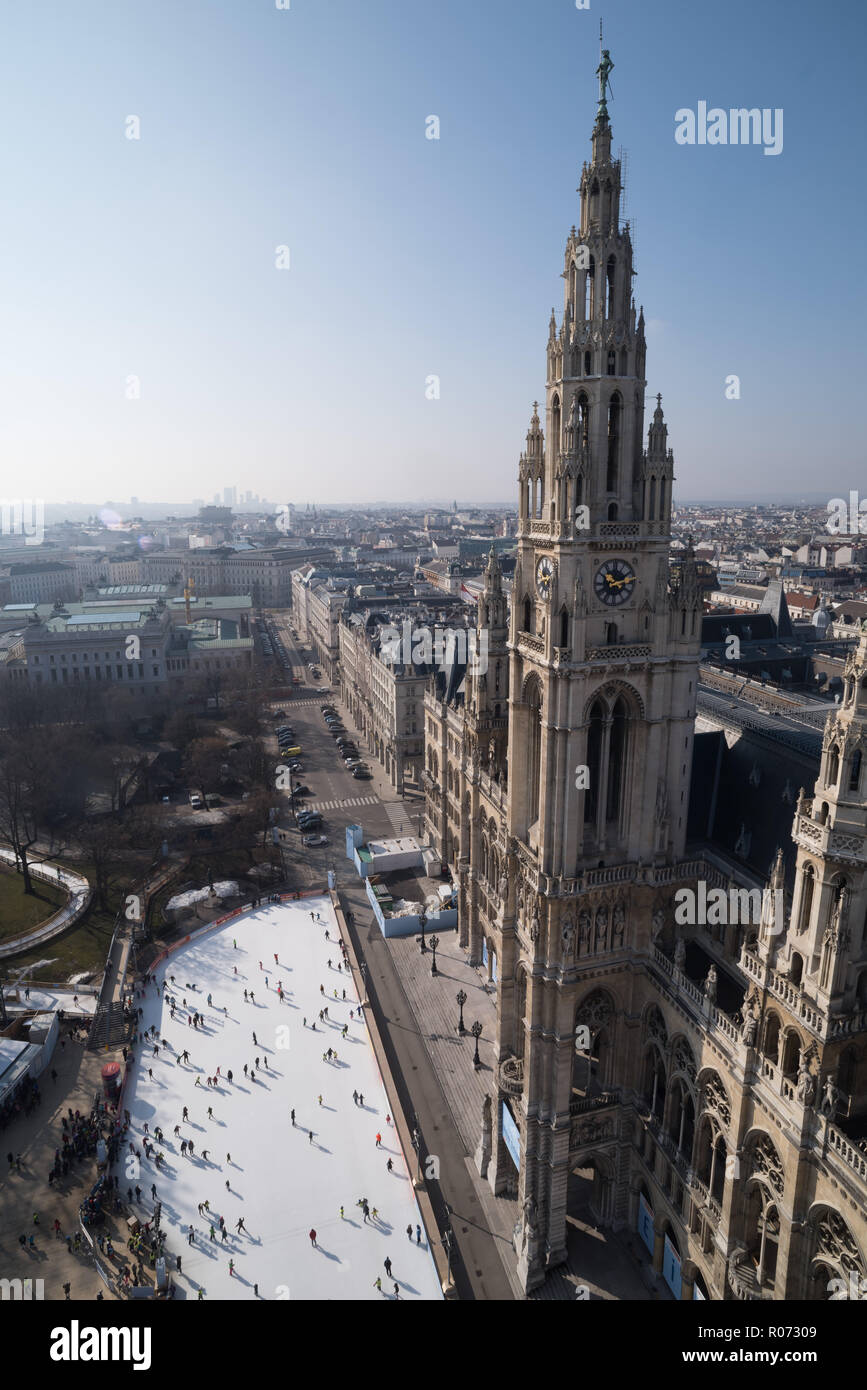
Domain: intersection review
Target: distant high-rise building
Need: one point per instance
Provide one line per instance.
(133, 501)
(230, 496)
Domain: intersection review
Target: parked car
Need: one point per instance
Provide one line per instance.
(362, 773)
(308, 822)
(301, 790)
(296, 767)
(324, 690)
(314, 840)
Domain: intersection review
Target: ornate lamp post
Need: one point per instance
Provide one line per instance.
(422, 918)
(434, 942)
(462, 999)
(476, 1031)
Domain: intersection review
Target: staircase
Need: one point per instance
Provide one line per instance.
(109, 1027)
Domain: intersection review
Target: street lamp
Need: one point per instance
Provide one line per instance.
(462, 999)
(476, 1031)
(416, 1143)
(447, 1242)
(434, 942)
(364, 982)
(422, 918)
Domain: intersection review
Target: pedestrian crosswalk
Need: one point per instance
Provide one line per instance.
(338, 805)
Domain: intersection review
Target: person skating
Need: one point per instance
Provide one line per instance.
(387, 1266)
(232, 1269)
(210, 1112)
(418, 1235)
(185, 1116)
(377, 1283)
(409, 1231)
(310, 1135)
(228, 1158)
(341, 1214)
(313, 1238)
(292, 1117)
(360, 1099)
(389, 1165)
(396, 1291)
(213, 1236)
(239, 1225)
(379, 1141)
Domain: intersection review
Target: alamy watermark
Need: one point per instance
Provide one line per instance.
(737, 126)
(23, 516)
(847, 518)
(441, 646)
(737, 907)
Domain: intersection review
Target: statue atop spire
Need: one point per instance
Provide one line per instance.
(602, 72)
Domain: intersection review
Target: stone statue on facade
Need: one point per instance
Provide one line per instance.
(680, 953)
(710, 985)
(618, 919)
(749, 1027)
(601, 927)
(830, 1097)
(584, 925)
(568, 937)
(657, 922)
(534, 928)
(806, 1089)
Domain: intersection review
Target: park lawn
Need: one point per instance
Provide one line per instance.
(19, 911)
(80, 950)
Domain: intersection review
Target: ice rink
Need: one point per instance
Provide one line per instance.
(281, 1183)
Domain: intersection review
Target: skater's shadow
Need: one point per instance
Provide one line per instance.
(401, 1283)
(329, 1254)
(329, 1107)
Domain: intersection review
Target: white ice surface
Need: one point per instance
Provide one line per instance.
(280, 1183)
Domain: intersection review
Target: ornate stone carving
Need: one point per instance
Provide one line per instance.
(716, 1100)
(765, 1164)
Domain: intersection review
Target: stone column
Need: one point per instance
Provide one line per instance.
(658, 1248)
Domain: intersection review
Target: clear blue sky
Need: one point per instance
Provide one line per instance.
(306, 127)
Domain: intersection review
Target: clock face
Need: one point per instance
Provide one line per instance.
(545, 576)
(614, 582)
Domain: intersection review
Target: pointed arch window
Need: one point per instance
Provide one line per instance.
(610, 634)
(612, 511)
(588, 364)
(528, 616)
(583, 421)
(595, 735)
(833, 766)
(651, 511)
(614, 413)
(855, 773)
(589, 289)
(564, 628)
(617, 758)
(555, 428)
(612, 363)
(610, 272)
(534, 750)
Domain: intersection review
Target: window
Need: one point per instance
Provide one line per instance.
(855, 774)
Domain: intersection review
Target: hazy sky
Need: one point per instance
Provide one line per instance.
(305, 127)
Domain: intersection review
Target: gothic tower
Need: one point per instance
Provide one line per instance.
(603, 669)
